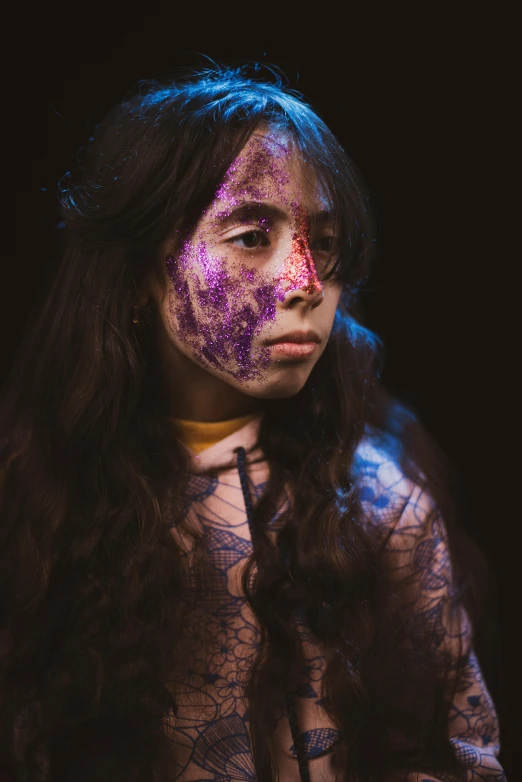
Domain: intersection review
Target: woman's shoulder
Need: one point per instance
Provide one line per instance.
(390, 494)
(401, 510)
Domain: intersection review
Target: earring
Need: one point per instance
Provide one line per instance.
(135, 318)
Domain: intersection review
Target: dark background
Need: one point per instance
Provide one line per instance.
(422, 99)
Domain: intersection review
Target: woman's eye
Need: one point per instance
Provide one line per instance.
(250, 240)
(325, 244)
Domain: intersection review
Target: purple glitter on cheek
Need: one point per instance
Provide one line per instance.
(221, 336)
(242, 338)
(265, 297)
(216, 279)
(248, 274)
(174, 273)
(186, 317)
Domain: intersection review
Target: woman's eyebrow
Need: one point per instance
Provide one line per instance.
(324, 216)
(265, 211)
(251, 210)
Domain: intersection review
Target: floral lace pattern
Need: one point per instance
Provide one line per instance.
(211, 729)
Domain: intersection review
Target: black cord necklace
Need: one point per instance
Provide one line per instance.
(292, 716)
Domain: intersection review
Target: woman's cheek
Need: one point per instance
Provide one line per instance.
(219, 314)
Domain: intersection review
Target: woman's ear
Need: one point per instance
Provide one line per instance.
(147, 290)
(142, 300)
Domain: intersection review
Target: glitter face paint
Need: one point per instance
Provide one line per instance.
(225, 298)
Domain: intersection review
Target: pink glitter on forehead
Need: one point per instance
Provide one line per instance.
(233, 308)
(262, 159)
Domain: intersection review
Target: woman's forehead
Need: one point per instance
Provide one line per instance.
(271, 168)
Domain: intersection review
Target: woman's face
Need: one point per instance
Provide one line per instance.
(251, 272)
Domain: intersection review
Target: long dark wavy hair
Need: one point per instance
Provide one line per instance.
(92, 583)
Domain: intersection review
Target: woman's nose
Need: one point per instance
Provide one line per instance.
(299, 271)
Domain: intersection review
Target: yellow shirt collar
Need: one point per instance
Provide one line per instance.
(199, 435)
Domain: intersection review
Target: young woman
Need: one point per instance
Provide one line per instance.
(226, 553)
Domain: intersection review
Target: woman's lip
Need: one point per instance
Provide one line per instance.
(293, 349)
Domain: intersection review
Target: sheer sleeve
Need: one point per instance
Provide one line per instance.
(419, 556)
